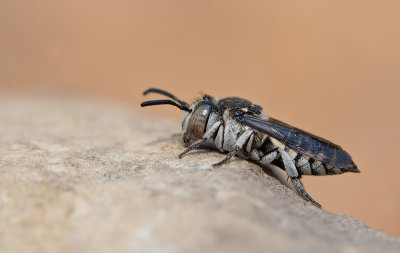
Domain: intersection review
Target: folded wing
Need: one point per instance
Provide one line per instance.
(303, 142)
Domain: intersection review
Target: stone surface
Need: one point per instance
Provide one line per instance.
(90, 176)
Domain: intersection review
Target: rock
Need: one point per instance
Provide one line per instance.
(89, 176)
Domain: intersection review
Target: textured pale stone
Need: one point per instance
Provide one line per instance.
(89, 176)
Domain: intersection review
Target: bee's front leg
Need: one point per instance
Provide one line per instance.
(238, 146)
(209, 133)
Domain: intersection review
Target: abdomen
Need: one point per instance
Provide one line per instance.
(304, 164)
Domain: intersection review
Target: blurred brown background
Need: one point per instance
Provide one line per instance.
(330, 67)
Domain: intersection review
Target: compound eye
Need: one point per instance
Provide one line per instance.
(197, 123)
(238, 113)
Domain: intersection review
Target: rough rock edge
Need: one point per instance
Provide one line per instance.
(92, 176)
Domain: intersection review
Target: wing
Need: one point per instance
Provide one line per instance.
(303, 142)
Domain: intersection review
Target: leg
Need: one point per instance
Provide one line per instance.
(238, 146)
(291, 171)
(270, 156)
(228, 157)
(300, 189)
(206, 136)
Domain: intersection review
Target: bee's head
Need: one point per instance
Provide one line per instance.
(199, 119)
(199, 114)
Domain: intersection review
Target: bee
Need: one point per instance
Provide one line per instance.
(236, 126)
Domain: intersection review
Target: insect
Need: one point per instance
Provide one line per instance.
(237, 126)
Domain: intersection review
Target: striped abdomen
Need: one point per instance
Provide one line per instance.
(304, 164)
